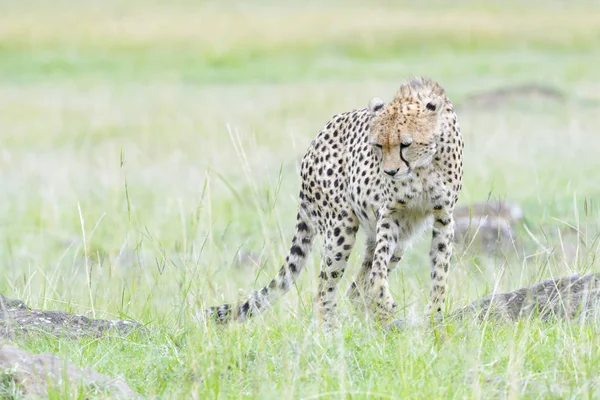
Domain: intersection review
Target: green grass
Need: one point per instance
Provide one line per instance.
(159, 141)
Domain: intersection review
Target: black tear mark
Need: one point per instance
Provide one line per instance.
(404, 161)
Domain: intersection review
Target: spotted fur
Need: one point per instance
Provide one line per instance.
(390, 169)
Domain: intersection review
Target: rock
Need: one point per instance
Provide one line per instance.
(484, 234)
(575, 296)
(572, 297)
(16, 318)
(23, 374)
(488, 226)
(507, 210)
(248, 259)
(10, 303)
(495, 98)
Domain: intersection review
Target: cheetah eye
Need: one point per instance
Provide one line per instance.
(404, 145)
(377, 145)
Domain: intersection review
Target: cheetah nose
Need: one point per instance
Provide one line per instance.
(391, 172)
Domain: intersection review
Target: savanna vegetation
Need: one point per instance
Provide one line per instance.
(149, 168)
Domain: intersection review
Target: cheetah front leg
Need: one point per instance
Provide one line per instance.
(440, 254)
(379, 296)
(358, 288)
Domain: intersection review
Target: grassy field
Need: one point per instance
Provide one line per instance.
(145, 145)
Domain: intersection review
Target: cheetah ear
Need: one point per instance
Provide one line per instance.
(376, 105)
(434, 105)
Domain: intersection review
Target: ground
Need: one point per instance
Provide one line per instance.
(145, 145)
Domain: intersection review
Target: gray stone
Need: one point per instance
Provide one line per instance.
(568, 298)
(502, 96)
(33, 375)
(248, 260)
(486, 227)
(16, 319)
(575, 296)
(504, 209)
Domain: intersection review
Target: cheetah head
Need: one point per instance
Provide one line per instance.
(404, 132)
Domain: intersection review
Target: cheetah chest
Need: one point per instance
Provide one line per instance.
(408, 202)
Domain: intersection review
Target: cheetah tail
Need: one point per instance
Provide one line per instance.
(289, 272)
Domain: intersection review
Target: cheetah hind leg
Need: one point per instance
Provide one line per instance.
(337, 246)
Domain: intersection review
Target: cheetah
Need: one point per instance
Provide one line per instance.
(393, 169)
